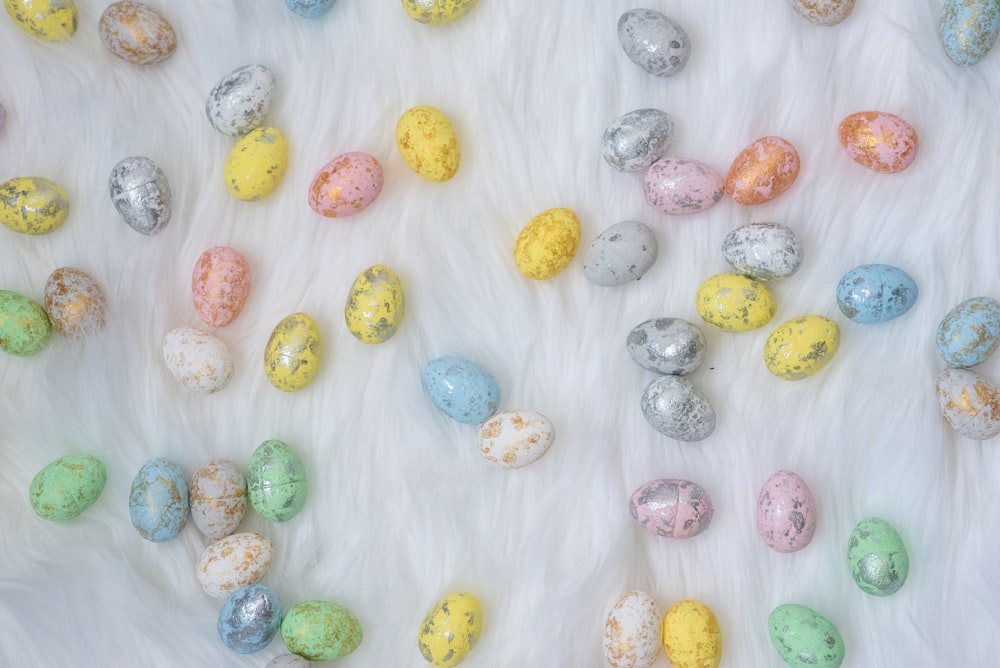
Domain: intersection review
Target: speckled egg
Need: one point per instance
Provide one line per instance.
(547, 244)
(437, 12)
(240, 101)
(969, 402)
(735, 303)
(277, 481)
(873, 293)
(256, 164)
(461, 389)
(136, 33)
(346, 185)
(803, 637)
(823, 12)
(620, 254)
(654, 42)
(667, 345)
(428, 143)
(637, 139)
(632, 632)
(678, 408)
(293, 353)
(158, 503)
(450, 630)
(218, 498)
(141, 194)
(762, 171)
(289, 661)
(24, 325)
(878, 140)
(515, 438)
(680, 186)
(375, 305)
(692, 636)
(201, 362)
(250, 619)
(672, 508)
(877, 557)
(74, 302)
(968, 29)
(33, 205)
(801, 347)
(49, 20)
(310, 9)
(232, 562)
(786, 512)
(320, 630)
(763, 251)
(220, 285)
(66, 487)
(970, 332)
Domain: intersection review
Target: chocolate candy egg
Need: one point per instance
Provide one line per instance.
(49, 20)
(679, 186)
(136, 33)
(515, 438)
(878, 140)
(288, 661)
(67, 487)
(250, 619)
(375, 305)
(33, 205)
(632, 632)
(547, 244)
(320, 630)
(637, 139)
(803, 637)
(158, 503)
(672, 508)
(678, 408)
(873, 293)
(667, 345)
(220, 285)
(450, 630)
(620, 254)
(24, 325)
(763, 251)
(970, 403)
(735, 303)
(968, 29)
(692, 636)
(427, 141)
(823, 12)
(346, 185)
(310, 9)
(218, 498)
(970, 332)
(653, 41)
(141, 194)
(461, 389)
(293, 353)
(877, 557)
(256, 164)
(74, 302)
(233, 562)
(201, 362)
(762, 171)
(240, 101)
(801, 347)
(786, 512)
(437, 12)
(277, 481)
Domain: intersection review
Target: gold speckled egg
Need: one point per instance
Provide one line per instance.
(427, 141)
(436, 12)
(823, 12)
(375, 305)
(74, 302)
(451, 630)
(136, 33)
(33, 205)
(692, 637)
(547, 244)
(50, 20)
(878, 140)
(256, 164)
(294, 353)
(801, 347)
(762, 171)
(735, 303)
(24, 325)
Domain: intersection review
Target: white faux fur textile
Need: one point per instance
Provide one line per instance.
(402, 508)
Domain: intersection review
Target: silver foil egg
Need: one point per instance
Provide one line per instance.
(141, 194)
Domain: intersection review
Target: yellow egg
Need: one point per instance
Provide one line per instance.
(294, 353)
(735, 303)
(256, 164)
(375, 305)
(547, 244)
(801, 347)
(33, 205)
(427, 141)
(436, 12)
(691, 636)
(51, 20)
(451, 630)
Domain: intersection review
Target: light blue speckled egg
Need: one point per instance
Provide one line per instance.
(968, 29)
(158, 503)
(872, 293)
(969, 333)
(310, 9)
(250, 618)
(462, 389)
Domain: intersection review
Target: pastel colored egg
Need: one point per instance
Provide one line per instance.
(220, 285)
(515, 438)
(240, 101)
(461, 389)
(803, 637)
(24, 325)
(968, 29)
(250, 619)
(346, 185)
(873, 293)
(970, 332)
(375, 305)
(547, 244)
(158, 503)
(801, 347)
(637, 139)
(667, 345)
(763, 251)
(49, 20)
(969, 402)
(680, 186)
(823, 12)
(735, 303)
(672, 508)
(256, 164)
(632, 632)
(654, 42)
(233, 562)
(437, 12)
(199, 361)
(141, 194)
(320, 630)
(692, 636)
(428, 143)
(450, 630)
(66, 487)
(786, 512)
(33, 205)
(878, 140)
(218, 498)
(676, 407)
(276, 481)
(74, 302)
(310, 9)
(877, 557)
(136, 33)
(289, 661)
(762, 171)
(620, 254)
(293, 353)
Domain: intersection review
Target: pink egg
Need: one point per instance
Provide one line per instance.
(878, 140)
(762, 171)
(346, 185)
(786, 512)
(672, 508)
(220, 285)
(678, 186)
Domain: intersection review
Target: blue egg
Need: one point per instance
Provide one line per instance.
(158, 503)
(461, 389)
(968, 29)
(250, 618)
(874, 293)
(970, 332)
(310, 9)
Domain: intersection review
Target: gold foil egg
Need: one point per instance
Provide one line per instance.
(547, 244)
(823, 12)
(74, 302)
(878, 140)
(136, 33)
(762, 171)
(427, 141)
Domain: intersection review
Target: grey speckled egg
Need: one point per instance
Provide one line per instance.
(654, 42)
(764, 251)
(677, 408)
(620, 254)
(637, 139)
(667, 345)
(240, 101)
(141, 194)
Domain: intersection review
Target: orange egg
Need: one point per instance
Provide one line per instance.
(762, 171)
(878, 140)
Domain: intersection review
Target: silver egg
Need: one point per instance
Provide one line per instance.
(620, 254)
(677, 408)
(141, 194)
(654, 42)
(667, 345)
(637, 139)
(239, 103)
(764, 251)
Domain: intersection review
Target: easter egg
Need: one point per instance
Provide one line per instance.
(136, 33)
(220, 285)
(873, 293)
(762, 171)
(427, 141)
(461, 389)
(637, 139)
(654, 42)
(250, 619)
(293, 353)
(786, 512)
(375, 305)
(620, 254)
(49, 20)
(232, 562)
(201, 362)
(158, 503)
(801, 347)
(632, 632)
(320, 630)
(74, 302)
(288, 661)
(877, 557)
(970, 332)
(680, 186)
(240, 101)
(515, 438)
(803, 637)
(547, 244)
(141, 194)
(735, 303)
(310, 9)
(823, 12)
(218, 498)
(672, 508)
(676, 407)
(256, 164)
(968, 29)
(878, 140)
(33, 205)
(763, 251)
(67, 487)
(450, 630)
(277, 481)
(436, 12)
(667, 345)
(692, 637)
(969, 402)
(24, 325)
(346, 185)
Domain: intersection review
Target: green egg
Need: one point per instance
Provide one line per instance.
(320, 631)
(67, 487)
(276, 481)
(24, 325)
(877, 557)
(803, 637)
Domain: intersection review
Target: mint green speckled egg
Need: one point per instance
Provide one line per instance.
(24, 325)
(803, 637)
(277, 481)
(67, 487)
(320, 630)
(877, 557)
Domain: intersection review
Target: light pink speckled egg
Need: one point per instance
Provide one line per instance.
(515, 438)
(679, 186)
(672, 508)
(786, 512)
(220, 285)
(201, 362)
(632, 632)
(346, 185)
(218, 498)
(762, 171)
(878, 140)
(233, 561)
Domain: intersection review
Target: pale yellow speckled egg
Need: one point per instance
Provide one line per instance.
(801, 347)
(256, 164)
(451, 630)
(692, 637)
(33, 205)
(735, 303)
(547, 244)
(427, 141)
(375, 305)
(436, 12)
(50, 20)
(294, 353)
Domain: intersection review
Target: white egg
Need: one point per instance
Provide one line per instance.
(620, 254)
(201, 362)
(970, 403)
(233, 561)
(218, 494)
(515, 438)
(632, 632)
(239, 103)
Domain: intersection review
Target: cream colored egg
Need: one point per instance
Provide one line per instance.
(969, 402)
(233, 561)
(74, 302)
(201, 362)
(136, 33)
(632, 632)
(823, 12)
(515, 438)
(218, 498)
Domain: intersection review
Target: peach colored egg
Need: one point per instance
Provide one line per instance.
(346, 185)
(137, 33)
(74, 302)
(218, 498)
(878, 140)
(762, 171)
(220, 285)
(233, 561)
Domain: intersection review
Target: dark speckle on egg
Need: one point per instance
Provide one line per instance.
(654, 42)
